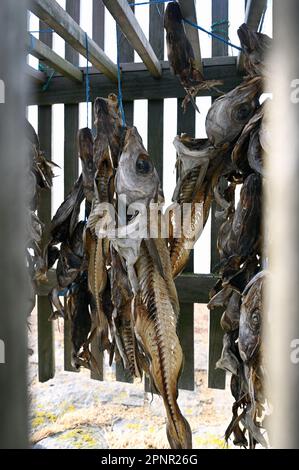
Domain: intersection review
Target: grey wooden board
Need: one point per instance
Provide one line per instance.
(46, 352)
(58, 19)
(126, 54)
(98, 31)
(192, 288)
(216, 377)
(186, 124)
(136, 84)
(39, 50)
(128, 23)
(71, 124)
(35, 76)
(13, 275)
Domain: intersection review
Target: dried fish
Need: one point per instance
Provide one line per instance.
(230, 113)
(155, 328)
(256, 48)
(181, 56)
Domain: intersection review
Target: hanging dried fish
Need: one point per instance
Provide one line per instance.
(155, 327)
(256, 48)
(181, 56)
(230, 113)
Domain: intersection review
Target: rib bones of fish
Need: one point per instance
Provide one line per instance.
(155, 328)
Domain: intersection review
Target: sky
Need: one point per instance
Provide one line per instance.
(204, 10)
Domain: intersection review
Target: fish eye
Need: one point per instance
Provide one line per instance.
(244, 111)
(143, 165)
(255, 318)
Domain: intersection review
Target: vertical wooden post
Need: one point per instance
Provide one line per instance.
(98, 32)
(156, 107)
(46, 352)
(13, 276)
(71, 124)
(186, 123)
(281, 321)
(126, 54)
(216, 377)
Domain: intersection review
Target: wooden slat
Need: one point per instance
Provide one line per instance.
(156, 107)
(58, 19)
(41, 51)
(98, 32)
(13, 275)
(253, 13)
(46, 352)
(137, 83)
(71, 124)
(189, 13)
(186, 124)
(35, 76)
(126, 54)
(216, 377)
(124, 16)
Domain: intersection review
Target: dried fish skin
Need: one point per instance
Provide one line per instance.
(136, 176)
(230, 113)
(181, 56)
(85, 146)
(110, 131)
(251, 318)
(256, 48)
(155, 328)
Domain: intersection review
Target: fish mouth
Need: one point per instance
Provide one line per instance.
(247, 352)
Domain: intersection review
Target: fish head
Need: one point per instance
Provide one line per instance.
(173, 15)
(136, 176)
(230, 113)
(250, 328)
(85, 144)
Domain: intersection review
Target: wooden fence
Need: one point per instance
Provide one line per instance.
(137, 84)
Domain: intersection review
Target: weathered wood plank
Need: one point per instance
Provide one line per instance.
(98, 23)
(35, 76)
(137, 84)
(126, 19)
(193, 288)
(126, 54)
(13, 275)
(186, 123)
(71, 124)
(189, 13)
(41, 51)
(58, 19)
(156, 107)
(46, 352)
(216, 377)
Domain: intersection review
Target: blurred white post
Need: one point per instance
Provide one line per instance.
(13, 154)
(282, 213)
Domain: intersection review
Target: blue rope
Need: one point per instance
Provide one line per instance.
(120, 94)
(87, 90)
(212, 34)
(262, 20)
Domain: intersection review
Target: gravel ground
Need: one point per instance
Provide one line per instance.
(73, 411)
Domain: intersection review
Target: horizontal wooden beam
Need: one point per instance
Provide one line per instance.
(192, 288)
(254, 13)
(137, 84)
(130, 27)
(58, 19)
(36, 77)
(44, 53)
(189, 13)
